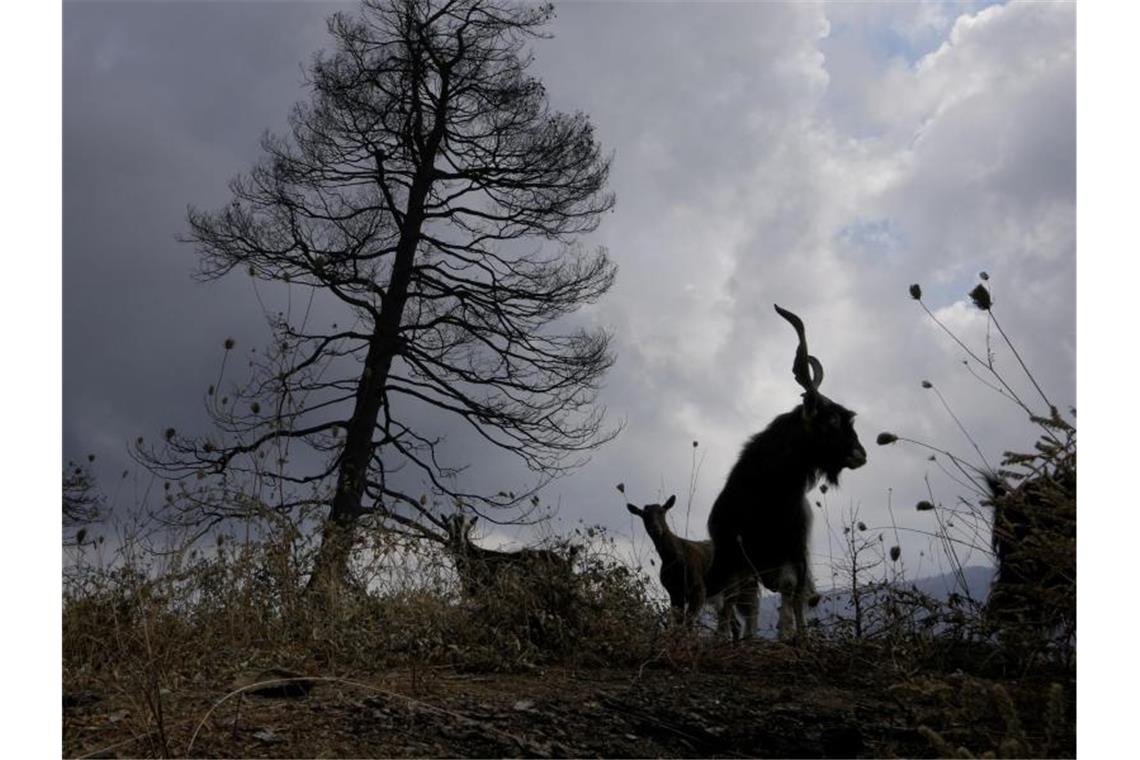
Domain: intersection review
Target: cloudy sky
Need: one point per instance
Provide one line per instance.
(819, 156)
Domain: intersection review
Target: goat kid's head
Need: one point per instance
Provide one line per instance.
(653, 515)
(830, 427)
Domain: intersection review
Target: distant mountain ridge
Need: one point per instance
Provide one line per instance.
(835, 601)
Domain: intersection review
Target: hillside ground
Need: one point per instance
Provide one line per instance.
(226, 654)
(695, 698)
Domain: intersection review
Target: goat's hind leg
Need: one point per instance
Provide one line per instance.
(743, 599)
(749, 606)
(724, 615)
(727, 622)
(734, 623)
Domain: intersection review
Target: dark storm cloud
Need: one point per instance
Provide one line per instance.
(806, 154)
(164, 103)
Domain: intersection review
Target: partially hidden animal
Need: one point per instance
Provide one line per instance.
(761, 521)
(481, 570)
(684, 566)
(1034, 542)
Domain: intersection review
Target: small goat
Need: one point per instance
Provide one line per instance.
(481, 570)
(684, 567)
(761, 521)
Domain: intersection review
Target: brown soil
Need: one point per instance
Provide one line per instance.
(763, 699)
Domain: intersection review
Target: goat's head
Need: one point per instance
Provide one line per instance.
(459, 527)
(653, 515)
(830, 427)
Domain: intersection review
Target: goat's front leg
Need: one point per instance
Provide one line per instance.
(677, 608)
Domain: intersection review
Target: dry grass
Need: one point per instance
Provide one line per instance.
(160, 654)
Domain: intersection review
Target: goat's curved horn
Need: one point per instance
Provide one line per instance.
(806, 368)
(816, 371)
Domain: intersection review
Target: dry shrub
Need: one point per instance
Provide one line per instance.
(1033, 600)
(601, 614)
(241, 605)
(963, 716)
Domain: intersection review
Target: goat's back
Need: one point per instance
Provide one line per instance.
(484, 569)
(689, 568)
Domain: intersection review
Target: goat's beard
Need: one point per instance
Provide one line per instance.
(828, 473)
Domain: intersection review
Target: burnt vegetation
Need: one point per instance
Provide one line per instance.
(427, 194)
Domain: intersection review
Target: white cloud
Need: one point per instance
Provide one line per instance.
(832, 203)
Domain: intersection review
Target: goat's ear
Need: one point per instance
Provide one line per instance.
(670, 501)
(633, 508)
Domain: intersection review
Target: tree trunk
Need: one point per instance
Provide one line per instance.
(340, 528)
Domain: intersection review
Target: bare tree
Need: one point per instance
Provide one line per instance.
(82, 502)
(416, 188)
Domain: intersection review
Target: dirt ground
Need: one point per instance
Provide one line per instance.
(761, 699)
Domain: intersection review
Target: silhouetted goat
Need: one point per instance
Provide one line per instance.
(1034, 540)
(761, 521)
(684, 566)
(482, 570)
